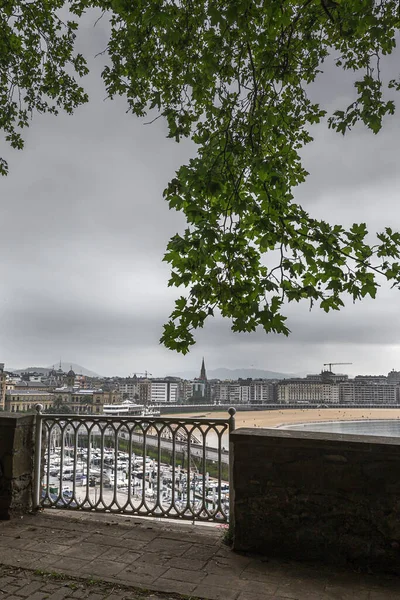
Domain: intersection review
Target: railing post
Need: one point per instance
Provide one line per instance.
(37, 457)
(232, 412)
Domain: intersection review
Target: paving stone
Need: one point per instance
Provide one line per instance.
(228, 582)
(28, 589)
(44, 547)
(190, 534)
(250, 596)
(79, 594)
(290, 589)
(152, 558)
(108, 540)
(384, 595)
(60, 594)
(50, 587)
(338, 592)
(13, 542)
(174, 587)
(223, 567)
(87, 550)
(184, 575)
(15, 557)
(143, 573)
(38, 596)
(180, 562)
(171, 547)
(130, 557)
(100, 568)
(141, 535)
(10, 588)
(46, 562)
(262, 576)
(6, 580)
(200, 552)
(70, 564)
(114, 553)
(215, 593)
(152, 570)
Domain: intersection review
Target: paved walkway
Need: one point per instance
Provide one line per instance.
(59, 556)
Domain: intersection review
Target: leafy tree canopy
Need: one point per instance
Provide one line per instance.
(234, 76)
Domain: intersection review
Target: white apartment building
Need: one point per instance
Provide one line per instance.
(262, 392)
(293, 391)
(233, 392)
(368, 393)
(162, 392)
(129, 386)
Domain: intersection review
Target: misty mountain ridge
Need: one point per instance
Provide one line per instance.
(235, 374)
(66, 366)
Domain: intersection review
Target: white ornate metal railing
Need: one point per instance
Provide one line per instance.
(159, 467)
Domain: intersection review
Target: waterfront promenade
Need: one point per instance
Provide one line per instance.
(59, 556)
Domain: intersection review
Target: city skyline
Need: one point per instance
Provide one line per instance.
(214, 372)
(86, 230)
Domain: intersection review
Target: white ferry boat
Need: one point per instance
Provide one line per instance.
(127, 407)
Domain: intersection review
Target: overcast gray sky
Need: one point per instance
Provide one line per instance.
(84, 228)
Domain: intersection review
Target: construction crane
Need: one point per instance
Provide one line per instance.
(333, 363)
(146, 374)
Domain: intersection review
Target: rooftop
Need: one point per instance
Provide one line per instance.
(27, 393)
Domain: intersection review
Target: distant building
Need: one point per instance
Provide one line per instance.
(2, 387)
(371, 379)
(200, 390)
(89, 402)
(263, 391)
(203, 374)
(70, 378)
(300, 391)
(129, 387)
(25, 400)
(358, 392)
(245, 391)
(28, 385)
(327, 376)
(163, 391)
(393, 377)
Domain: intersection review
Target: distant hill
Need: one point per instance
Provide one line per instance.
(237, 374)
(64, 365)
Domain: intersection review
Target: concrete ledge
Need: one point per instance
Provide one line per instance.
(317, 496)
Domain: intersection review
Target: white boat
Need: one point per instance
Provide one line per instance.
(127, 407)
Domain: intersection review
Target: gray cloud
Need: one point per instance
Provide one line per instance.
(84, 228)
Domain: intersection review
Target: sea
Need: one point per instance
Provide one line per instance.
(387, 428)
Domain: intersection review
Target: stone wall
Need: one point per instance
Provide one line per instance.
(321, 497)
(16, 464)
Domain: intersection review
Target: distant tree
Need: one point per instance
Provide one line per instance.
(234, 77)
(59, 408)
(136, 397)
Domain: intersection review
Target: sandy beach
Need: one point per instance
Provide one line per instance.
(275, 418)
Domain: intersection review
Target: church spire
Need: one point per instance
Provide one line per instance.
(203, 374)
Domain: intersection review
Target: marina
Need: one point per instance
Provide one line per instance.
(144, 466)
(115, 480)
